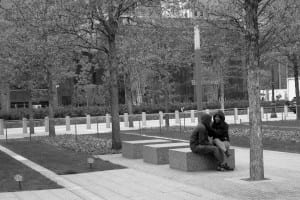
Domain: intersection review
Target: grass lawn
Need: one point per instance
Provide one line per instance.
(33, 180)
(60, 160)
(272, 140)
(285, 123)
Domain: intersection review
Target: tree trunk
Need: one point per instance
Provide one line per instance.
(222, 96)
(128, 98)
(31, 121)
(252, 63)
(5, 97)
(296, 76)
(114, 93)
(51, 104)
(273, 114)
(167, 99)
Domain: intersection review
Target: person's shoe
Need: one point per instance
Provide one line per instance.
(227, 153)
(220, 168)
(226, 167)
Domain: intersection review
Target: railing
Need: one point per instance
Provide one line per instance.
(141, 121)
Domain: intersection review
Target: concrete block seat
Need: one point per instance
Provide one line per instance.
(159, 153)
(134, 149)
(184, 159)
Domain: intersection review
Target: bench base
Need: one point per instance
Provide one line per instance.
(159, 153)
(184, 159)
(134, 149)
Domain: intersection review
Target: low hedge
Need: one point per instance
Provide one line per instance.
(61, 112)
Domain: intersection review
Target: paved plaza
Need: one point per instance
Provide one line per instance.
(143, 181)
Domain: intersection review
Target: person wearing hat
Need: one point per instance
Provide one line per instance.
(200, 144)
(221, 136)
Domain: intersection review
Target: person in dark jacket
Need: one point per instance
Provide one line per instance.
(199, 142)
(220, 132)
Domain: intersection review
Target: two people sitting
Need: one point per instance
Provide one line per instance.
(218, 131)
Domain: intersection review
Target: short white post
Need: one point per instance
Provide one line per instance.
(68, 123)
(126, 121)
(24, 125)
(88, 121)
(285, 111)
(144, 119)
(107, 119)
(207, 111)
(193, 116)
(262, 112)
(177, 120)
(236, 117)
(161, 117)
(1, 127)
(47, 124)
(248, 111)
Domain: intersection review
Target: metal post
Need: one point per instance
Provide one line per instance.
(140, 127)
(76, 131)
(159, 125)
(97, 128)
(180, 125)
(20, 185)
(1, 127)
(184, 120)
(5, 134)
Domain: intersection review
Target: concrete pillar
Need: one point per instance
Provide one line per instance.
(177, 120)
(285, 111)
(68, 123)
(161, 117)
(88, 121)
(144, 121)
(262, 112)
(126, 121)
(236, 116)
(193, 116)
(1, 127)
(24, 125)
(47, 124)
(107, 119)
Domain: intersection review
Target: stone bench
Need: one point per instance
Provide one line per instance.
(184, 159)
(159, 153)
(134, 149)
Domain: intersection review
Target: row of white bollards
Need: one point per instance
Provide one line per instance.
(144, 119)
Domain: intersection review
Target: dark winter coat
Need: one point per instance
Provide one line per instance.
(221, 128)
(201, 132)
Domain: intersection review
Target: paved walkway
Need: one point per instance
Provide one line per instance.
(143, 181)
(282, 170)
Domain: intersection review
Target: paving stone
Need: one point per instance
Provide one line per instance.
(159, 153)
(134, 149)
